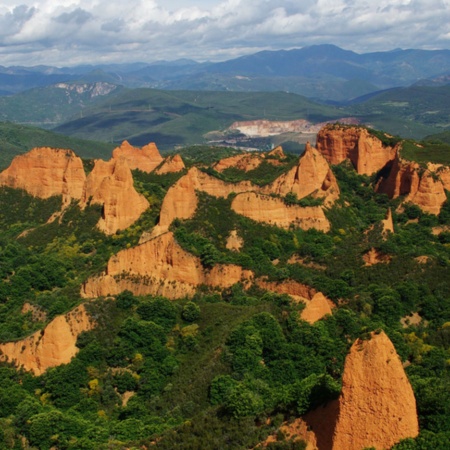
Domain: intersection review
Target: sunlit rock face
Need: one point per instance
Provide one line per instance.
(111, 184)
(52, 346)
(145, 159)
(365, 151)
(160, 266)
(171, 164)
(421, 187)
(44, 172)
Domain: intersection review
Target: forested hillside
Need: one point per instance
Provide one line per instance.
(204, 332)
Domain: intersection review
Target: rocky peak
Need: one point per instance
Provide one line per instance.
(44, 172)
(171, 164)
(312, 176)
(277, 152)
(377, 407)
(422, 187)
(365, 151)
(160, 266)
(146, 159)
(111, 185)
(50, 347)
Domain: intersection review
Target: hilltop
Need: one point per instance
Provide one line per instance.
(246, 299)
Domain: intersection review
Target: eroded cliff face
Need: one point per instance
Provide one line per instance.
(312, 176)
(317, 306)
(421, 187)
(171, 164)
(181, 199)
(45, 172)
(52, 346)
(250, 160)
(388, 224)
(111, 184)
(145, 159)
(244, 162)
(366, 152)
(377, 407)
(161, 267)
(274, 211)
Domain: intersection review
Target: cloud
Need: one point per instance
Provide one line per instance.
(78, 16)
(74, 31)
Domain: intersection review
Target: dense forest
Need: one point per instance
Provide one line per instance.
(226, 367)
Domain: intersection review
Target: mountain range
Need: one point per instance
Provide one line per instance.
(324, 72)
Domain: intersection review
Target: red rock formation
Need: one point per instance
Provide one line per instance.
(170, 165)
(145, 159)
(244, 162)
(50, 347)
(443, 172)
(366, 152)
(312, 176)
(420, 187)
(388, 223)
(160, 267)
(111, 185)
(234, 241)
(317, 305)
(377, 407)
(317, 308)
(250, 160)
(44, 172)
(181, 200)
(274, 211)
(277, 152)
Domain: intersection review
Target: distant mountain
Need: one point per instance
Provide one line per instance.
(51, 105)
(323, 72)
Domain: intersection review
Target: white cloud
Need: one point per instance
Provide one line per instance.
(74, 31)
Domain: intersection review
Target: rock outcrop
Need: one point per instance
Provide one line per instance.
(45, 172)
(234, 241)
(387, 223)
(419, 186)
(312, 176)
(111, 184)
(160, 267)
(365, 151)
(250, 160)
(317, 305)
(50, 347)
(274, 211)
(377, 407)
(171, 164)
(145, 159)
(181, 198)
(244, 162)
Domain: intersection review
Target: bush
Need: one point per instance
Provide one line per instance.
(191, 312)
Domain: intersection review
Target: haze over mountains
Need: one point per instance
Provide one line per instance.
(324, 72)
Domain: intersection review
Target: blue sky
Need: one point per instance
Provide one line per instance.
(70, 32)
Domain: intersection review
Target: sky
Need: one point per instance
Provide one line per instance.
(72, 32)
